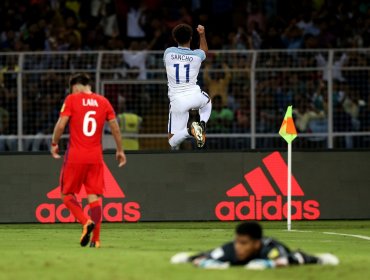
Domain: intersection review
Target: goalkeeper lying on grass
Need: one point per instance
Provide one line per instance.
(254, 251)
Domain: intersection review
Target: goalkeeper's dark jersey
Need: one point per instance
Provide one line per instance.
(271, 249)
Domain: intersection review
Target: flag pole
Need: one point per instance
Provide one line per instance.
(289, 133)
(289, 214)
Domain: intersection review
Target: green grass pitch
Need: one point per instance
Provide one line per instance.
(142, 251)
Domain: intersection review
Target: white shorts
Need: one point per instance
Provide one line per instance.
(181, 105)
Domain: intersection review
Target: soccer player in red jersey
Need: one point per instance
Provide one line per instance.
(86, 112)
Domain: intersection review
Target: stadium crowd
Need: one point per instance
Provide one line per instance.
(38, 25)
(138, 26)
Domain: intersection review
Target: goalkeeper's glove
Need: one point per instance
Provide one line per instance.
(213, 264)
(260, 264)
(182, 257)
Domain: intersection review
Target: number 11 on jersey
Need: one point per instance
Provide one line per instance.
(187, 75)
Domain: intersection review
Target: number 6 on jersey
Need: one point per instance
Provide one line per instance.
(89, 122)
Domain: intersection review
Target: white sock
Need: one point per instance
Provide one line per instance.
(205, 112)
(178, 137)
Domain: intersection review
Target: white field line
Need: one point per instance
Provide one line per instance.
(298, 230)
(350, 235)
(313, 240)
(334, 233)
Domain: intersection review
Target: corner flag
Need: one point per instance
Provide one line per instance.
(287, 129)
(289, 133)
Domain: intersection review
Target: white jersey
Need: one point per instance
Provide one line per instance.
(182, 67)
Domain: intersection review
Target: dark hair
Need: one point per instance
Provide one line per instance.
(79, 78)
(252, 229)
(182, 33)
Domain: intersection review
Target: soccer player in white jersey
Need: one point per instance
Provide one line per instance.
(182, 67)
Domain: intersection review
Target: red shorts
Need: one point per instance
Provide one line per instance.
(74, 175)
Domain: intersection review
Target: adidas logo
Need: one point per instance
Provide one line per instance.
(263, 200)
(112, 211)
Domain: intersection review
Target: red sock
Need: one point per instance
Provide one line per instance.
(96, 216)
(96, 232)
(75, 209)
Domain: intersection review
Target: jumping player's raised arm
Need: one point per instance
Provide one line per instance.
(202, 38)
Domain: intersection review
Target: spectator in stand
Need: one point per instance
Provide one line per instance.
(176, 15)
(135, 59)
(351, 105)
(310, 42)
(217, 83)
(307, 25)
(359, 79)
(28, 25)
(256, 19)
(327, 37)
(129, 123)
(109, 21)
(221, 118)
(292, 37)
(255, 36)
(339, 61)
(136, 21)
(304, 113)
(309, 119)
(160, 34)
(272, 39)
(239, 40)
(221, 122)
(320, 96)
(342, 120)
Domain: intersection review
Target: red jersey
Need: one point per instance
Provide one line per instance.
(88, 114)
